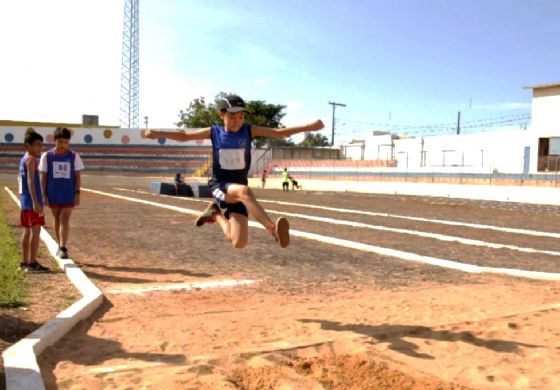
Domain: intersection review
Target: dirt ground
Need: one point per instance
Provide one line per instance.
(316, 316)
(48, 294)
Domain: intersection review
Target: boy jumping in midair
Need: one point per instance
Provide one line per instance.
(231, 152)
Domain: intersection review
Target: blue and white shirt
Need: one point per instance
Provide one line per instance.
(25, 199)
(231, 154)
(61, 175)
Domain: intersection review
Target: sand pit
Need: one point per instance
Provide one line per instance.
(316, 316)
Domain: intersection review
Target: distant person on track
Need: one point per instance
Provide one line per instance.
(231, 152)
(179, 183)
(285, 180)
(295, 184)
(32, 215)
(264, 175)
(61, 181)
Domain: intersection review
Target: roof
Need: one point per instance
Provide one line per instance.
(5, 122)
(547, 85)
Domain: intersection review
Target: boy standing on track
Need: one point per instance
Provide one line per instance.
(231, 152)
(60, 179)
(31, 202)
(264, 175)
(285, 180)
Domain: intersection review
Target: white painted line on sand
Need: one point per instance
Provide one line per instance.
(20, 360)
(181, 286)
(470, 268)
(436, 236)
(142, 201)
(420, 219)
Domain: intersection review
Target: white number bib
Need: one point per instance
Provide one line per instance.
(232, 159)
(61, 170)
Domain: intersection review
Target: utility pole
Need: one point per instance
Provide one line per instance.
(333, 104)
(458, 122)
(146, 121)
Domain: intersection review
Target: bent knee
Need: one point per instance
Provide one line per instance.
(245, 192)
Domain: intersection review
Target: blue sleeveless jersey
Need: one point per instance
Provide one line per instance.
(61, 178)
(231, 154)
(24, 195)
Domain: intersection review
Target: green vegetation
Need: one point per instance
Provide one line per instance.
(12, 282)
(200, 113)
(314, 139)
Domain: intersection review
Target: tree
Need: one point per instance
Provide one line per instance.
(198, 114)
(202, 114)
(314, 139)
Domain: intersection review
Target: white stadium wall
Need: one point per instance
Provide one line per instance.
(496, 151)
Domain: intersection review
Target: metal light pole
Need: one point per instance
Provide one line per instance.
(333, 104)
(130, 66)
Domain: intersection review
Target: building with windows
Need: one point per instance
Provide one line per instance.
(526, 150)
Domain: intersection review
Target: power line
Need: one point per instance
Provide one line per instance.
(439, 128)
(472, 123)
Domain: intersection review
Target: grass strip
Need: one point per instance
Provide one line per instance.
(12, 279)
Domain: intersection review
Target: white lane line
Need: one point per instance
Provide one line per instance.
(470, 268)
(436, 236)
(420, 219)
(147, 202)
(181, 286)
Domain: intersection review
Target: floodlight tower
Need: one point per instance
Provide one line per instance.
(130, 69)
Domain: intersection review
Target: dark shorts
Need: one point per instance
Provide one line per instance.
(29, 218)
(219, 191)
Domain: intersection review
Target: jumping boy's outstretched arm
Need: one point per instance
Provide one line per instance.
(287, 131)
(181, 135)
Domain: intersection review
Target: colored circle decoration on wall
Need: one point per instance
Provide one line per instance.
(161, 140)
(125, 139)
(107, 133)
(50, 138)
(9, 137)
(88, 138)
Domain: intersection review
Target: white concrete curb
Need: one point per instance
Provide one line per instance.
(20, 360)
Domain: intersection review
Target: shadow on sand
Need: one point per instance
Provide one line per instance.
(85, 350)
(394, 334)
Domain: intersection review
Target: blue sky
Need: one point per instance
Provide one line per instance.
(407, 66)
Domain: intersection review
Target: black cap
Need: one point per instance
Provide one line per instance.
(231, 103)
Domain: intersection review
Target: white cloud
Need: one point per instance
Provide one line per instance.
(503, 106)
(62, 60)
(264, 80)
(294, 105)
(164, 92)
